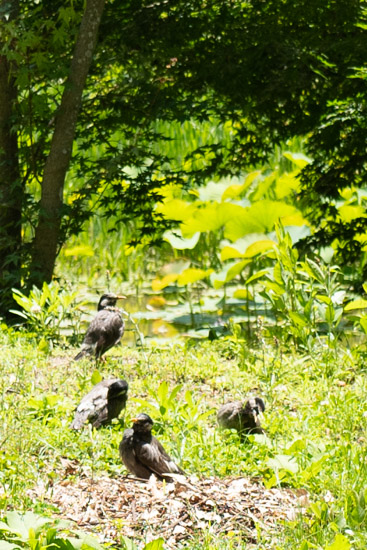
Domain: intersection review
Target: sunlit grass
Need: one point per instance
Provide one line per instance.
(315, 422)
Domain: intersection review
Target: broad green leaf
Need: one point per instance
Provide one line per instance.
(229, 272)
(177, 241)
(324, 299)
(363, 323)
(239, 248)
(21, 524)
(286, 183)
(262, 188)
(298, 159)
(259, 247)
(210, 217)
(192, 274)
(298, 319)
(340, 543)
(96, 377)
(356, 304)
(260, 217)
(156, 544)
(234, 191)
(283, 462)
(257, 275)
(275, 287)
(243, 294)
(212, 191)
(229, 253)
(251, 177)
(314, 469)
(159, 284)
(349, 212)
(176, 209)
(295, 219)
(82, 250)
(296, 446)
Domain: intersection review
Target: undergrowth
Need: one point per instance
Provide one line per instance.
(315, 422)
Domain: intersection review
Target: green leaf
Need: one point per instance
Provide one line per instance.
(257, 275)
(229, 272)
(192, 275)
(156, 544)
(81, 250)
(211, 217)
(261, 217)
(283, 462)
(259, 247)
(176, 209)
(159, 284)
(363, 323)
(298, 159)
(177, 241)
(356, 304)
(243, 294)
(96, 377)
(340, 543)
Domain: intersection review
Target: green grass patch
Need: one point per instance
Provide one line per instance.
(315, 422)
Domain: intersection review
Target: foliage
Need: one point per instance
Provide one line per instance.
(36, 532)
(237, 83)
(314, 421)
(47, 311)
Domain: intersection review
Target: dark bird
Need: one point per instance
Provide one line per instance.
(243, 417)
(104, 402)
(142, 453)
(105, 330)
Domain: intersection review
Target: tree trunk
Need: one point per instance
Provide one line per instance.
(47, 235)
(11, 190)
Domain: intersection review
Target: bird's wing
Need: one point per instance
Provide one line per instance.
(93, 406)
(107, 322)
(153, 456)
(230, 410)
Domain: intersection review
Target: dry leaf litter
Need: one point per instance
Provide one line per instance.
(124, 505)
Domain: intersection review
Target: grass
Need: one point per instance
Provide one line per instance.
(315, 420)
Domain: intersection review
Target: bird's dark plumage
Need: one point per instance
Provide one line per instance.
(104, 402)
(242, 417)
(142, 453)
(105, 330)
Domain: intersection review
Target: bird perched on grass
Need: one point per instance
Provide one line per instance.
(142, 453)
(104, 402)
(243, 417)
(105, 330)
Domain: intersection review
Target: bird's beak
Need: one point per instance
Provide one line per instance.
(134, 420)
(121, 297)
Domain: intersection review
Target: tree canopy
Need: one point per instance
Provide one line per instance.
(85, 86)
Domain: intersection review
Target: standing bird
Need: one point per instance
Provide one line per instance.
(105, 330)
(242, 417)
(142, 453)
(104, 402)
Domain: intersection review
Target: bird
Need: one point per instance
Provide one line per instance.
(142, 454)
(105, 330)
(104, 402)
(241, 416)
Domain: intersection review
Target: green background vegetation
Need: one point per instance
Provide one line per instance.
(216, 177)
